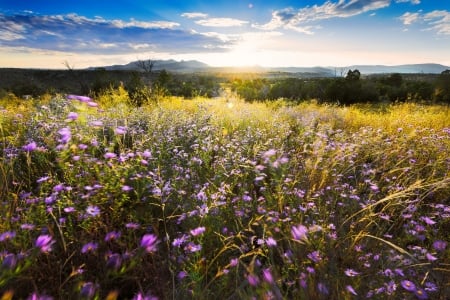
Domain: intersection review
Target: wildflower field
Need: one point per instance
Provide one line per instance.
(222, 199)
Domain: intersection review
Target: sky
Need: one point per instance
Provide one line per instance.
(282, 33)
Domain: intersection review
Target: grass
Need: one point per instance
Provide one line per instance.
(200, 199)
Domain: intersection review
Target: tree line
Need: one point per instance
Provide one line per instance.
(349, 89)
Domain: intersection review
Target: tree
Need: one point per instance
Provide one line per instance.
(442, 92)
(145, 65)
(354, 75)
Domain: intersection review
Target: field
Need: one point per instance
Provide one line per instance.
(223, 199)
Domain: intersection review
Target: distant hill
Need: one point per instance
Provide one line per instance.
(413, 68)
(191, 66)
(168, 65)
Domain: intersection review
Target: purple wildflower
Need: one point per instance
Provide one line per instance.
(44, 242)
(126, 188)
(88, 290)
(110, 155)
(267, 276)
(30, 147)
(149, 242)
(72, 116)
(252, 280)
(322, 288)
(36, 296)
(114, 261)
(315, 256)
(120, 130)
(198, 231)
(351, 290)
(89, 247)
(421, 294)
(191, 247)
(271, 242)
(234, 262)
(64, 135)
(132, 225)
(113, 235)
(299, 232)
(9, 261)
(92, 210)
(431, 257)
(351, 273)
(79, 98)
(408, 285)
(439, 245)
(8, 235)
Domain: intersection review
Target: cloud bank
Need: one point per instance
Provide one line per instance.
(297, 19)
(79, 34)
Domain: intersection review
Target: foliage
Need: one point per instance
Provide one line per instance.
(200, 199)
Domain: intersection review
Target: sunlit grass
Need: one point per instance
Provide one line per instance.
(223, 199)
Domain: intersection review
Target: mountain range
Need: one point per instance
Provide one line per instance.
(191, 66)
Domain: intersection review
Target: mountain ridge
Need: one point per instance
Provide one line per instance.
(189, 66)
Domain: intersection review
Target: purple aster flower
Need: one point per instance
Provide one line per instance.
(271, 242)
(350, 289)
(234, 262)
(96, 123)
(351, 273)
(44, 242)
(27, 226)
(428, 221)
(198, 231)
(267, 276)
(92, 211)
(114, 261)
(9, 261)
(113, 235)
(299, 232)
(110, 155)
(92, 104)
(42, 179)
(439, 245)
(64, 135)
(30, 147)
(36, 296)
(8, 235)
(431, 257)
(253, 280)
(191, 247)
(89, 247)
(126, 188)
(408, 285)
(182, 274)
(322, 288)
(88, 290)
(120, 130)
(132, 225)
(315, 256)
(69, 209)
(149, 242)
(421, 294)
(79, 98)
(177, 242)
(72, 116)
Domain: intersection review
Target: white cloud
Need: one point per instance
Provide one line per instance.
(221, 22)
(290, 18)
(409, 18)
(194, 15)
(437, 20)
(415, 2)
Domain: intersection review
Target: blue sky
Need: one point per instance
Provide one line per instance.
(45, 34)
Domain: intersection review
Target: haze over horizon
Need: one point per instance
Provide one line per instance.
(286, 33)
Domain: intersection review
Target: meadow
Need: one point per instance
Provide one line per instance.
(222, 199)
